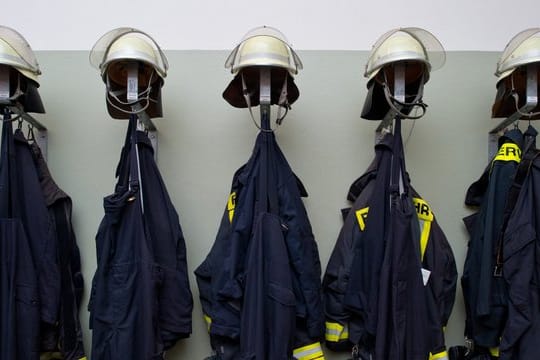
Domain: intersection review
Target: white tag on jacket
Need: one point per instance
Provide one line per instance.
(425, 275)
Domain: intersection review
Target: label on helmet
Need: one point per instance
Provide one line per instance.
(4, 82)
(132, 82)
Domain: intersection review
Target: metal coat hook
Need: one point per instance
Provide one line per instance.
(265, 98)
(399, 94)
(531, 101)
(8, 103)
(132, 96)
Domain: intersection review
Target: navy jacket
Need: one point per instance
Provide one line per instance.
(521, 259)
(65, 336)
(370, 254)
(485, 295)
(141, 302)
(264, 253)
(20, 307)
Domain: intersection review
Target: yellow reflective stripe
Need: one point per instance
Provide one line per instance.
(309, 352)
(231, 204)
(494, 351)
(334, 331)
(425, 216)
(422, 209)
(361, 216)
(83, 358)
(208, 320)
(443, 355)
(508, 152)
(424, 238)
(344, 335)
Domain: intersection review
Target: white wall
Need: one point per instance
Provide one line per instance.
(309, 24)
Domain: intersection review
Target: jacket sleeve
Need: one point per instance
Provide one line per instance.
(175, 298)
(304, 256)
(334, 286)
(518, 268)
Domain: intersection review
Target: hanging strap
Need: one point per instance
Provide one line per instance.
(127, 170)
(397, 179)
(272, 181)
(8, 178)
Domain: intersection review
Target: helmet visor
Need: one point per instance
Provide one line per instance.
(264, 31)
(506, 62)
(433, 51)
(22, 49)
(101, 48)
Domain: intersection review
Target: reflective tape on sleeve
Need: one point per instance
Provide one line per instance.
(336, 332)
(494, 351)
(443, 355)
(309, 352)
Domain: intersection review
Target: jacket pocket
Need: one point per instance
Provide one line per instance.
(281, 294)
(28, 318)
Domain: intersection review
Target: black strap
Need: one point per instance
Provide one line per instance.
(398, 161)
(65, 243)
(513, 193)
(9, 207)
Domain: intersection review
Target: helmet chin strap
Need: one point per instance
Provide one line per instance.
(515, 95)
(142, 96)
(416, 103)
(283, 103)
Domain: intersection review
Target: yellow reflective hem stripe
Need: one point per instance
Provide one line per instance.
(494, 351)
(335, 332)
(231, 204)
(208, 320)
(508, 152)
(309, 352)
(443, 355)
(83, 358)
(361, 216)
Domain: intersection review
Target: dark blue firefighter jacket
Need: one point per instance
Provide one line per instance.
(260, 283)
(141, 302)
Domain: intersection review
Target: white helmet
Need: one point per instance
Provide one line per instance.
(524, 48)
(16, 52)
(111, 55)
(264, 46)
(420, 52)
(402, 44)
(511, 72)
(128, 44)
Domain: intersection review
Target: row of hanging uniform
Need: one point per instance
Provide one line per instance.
(40, 276)
(501, 271)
